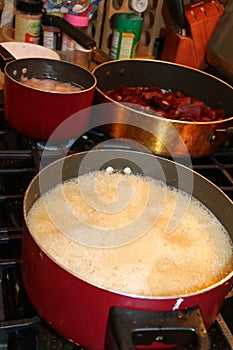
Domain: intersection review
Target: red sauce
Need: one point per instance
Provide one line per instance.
(168, 104)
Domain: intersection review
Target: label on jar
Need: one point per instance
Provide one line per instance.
(122, 45)
(68, 44)
(126, 45)
(126, 35)
(51, 37)
(27, 28)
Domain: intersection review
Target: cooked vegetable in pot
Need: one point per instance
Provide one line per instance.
(169, 104)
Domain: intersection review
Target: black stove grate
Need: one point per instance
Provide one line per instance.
(20, 326)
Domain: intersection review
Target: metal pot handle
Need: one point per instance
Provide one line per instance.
(227, 131)
(130, 328)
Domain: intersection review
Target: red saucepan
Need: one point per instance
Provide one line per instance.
(37, 113)
(80, 310)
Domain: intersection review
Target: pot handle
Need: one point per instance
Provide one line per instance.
(5, 57)
(76, 34)
(130, 328)
(227, 131)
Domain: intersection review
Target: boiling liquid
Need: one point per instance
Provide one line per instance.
(195, 255)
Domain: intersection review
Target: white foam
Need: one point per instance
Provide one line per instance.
(196, 254)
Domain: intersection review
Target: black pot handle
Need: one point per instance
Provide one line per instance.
(128, 329)
(76, 34)
(5, 57)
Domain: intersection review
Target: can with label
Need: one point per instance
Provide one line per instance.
(52, 35)
(28, 21)
(126, 35)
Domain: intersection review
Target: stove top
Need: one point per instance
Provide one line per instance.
(20, 326)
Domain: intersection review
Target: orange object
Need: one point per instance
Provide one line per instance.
(179, 49)
(202, 18)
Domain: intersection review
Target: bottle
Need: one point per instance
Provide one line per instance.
(126, 35)
(68, 44)
(52, 35)
(28, 21)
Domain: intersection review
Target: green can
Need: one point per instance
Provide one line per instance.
(126, 35)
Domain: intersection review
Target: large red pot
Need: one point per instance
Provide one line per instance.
(78, 309)
(38, 113)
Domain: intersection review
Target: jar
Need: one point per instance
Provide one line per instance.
(126, 35)
(28, 21)
(68, 44)
(82, 57)
(52, 35)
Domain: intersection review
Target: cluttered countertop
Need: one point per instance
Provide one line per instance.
(192, 33)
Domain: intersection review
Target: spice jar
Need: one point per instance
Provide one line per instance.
(126, 35)
(28, 21)
(68, 44)
(51, 34)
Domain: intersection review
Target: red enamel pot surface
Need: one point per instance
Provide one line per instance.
(37, 113)
(80, 310)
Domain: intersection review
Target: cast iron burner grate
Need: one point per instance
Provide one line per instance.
(20, 326)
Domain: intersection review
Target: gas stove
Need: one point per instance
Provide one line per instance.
(20, 325)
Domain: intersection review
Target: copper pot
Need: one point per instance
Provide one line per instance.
(162, 136)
